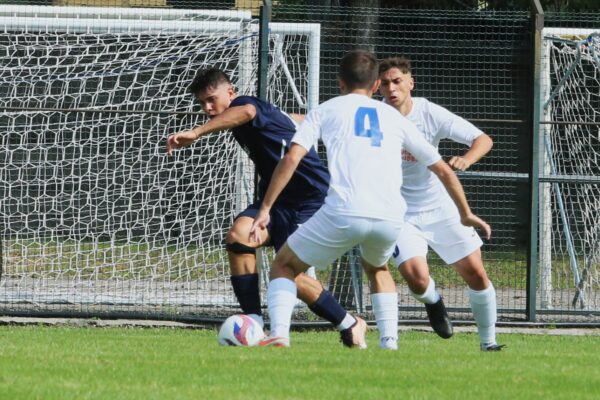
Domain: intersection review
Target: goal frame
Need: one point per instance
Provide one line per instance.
(165, 21)
(548, 170)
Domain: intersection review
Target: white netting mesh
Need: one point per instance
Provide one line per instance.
(572, 149)
(289, 93)
(92, 209)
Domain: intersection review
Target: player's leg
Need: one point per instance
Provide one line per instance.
(310, 291)
(410, 258)
(384, 300)
(242, 263)
(415, 272)
(459, 245)
(376, 249)
(281, 299)
(482, 297)
(281, 295)
(319, 241)
(322, 303)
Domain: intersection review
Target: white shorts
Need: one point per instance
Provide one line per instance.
(441, 230)
(326, 236)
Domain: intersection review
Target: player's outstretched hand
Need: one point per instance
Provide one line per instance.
(259, 225)
(476, 222)
(459, 163)
(181, 139)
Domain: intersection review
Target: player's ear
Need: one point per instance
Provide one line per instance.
(376, 85)
(343, 87)
(411, 83)
(231, 92)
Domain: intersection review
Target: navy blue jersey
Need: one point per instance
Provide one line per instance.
(266, 139)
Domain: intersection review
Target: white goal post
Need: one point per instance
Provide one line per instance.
(95, 217)
(569, 221)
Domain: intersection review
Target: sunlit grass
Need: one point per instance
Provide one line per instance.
(118, 363)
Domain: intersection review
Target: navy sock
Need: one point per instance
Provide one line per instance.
(247, 292)
(328, 308)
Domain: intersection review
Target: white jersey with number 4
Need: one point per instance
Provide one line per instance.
(421, 188)
(364, 138)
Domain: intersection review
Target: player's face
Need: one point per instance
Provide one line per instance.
(396, 86)
(215, 100)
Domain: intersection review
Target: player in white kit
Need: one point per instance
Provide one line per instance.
(363, 206)
(432, 218)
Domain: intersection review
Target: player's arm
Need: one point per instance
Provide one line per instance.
(456, 192)
(480, 147)
(426, 154)
(280, 178)
(453, 127)
(230, 118)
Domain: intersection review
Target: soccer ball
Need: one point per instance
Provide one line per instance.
(240, 330)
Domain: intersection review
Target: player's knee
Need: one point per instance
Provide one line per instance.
(239, 248)
(234, 235)
(417, 284)
(415, 273)
(472, 272)
(237, 234)
(479, 281)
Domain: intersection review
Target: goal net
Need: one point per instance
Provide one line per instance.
(95, 217)
(570, 156)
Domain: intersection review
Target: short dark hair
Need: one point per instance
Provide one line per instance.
(358, 69)
(207, 78)
(402, 63)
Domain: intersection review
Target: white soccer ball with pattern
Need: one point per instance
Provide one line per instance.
(240, 330)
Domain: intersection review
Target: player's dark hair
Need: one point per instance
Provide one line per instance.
(207, 78)
(358, 69)
(402, 63)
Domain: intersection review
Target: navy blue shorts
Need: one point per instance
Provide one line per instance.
(284, 220)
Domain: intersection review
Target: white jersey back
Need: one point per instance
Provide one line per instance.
(364, 139)
(421, 188)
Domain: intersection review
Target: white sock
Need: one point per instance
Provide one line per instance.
(258, 318)
(385, 308)
(347, 322)
(483, 304)
(281, 299)
(430, 296)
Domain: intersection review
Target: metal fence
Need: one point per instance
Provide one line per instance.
(482, 65)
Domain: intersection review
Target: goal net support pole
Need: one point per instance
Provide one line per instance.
(570, 148)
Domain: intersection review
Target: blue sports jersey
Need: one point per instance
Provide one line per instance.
(266, 139)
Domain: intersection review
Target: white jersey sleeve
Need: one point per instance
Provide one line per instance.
(451, 126)
(421, 188)
(421, 149)
(309, 131)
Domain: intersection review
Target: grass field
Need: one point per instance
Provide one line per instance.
(131, 363)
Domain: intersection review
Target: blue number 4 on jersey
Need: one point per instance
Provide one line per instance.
(366, 116)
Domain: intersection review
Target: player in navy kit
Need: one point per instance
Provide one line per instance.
(265, 133)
